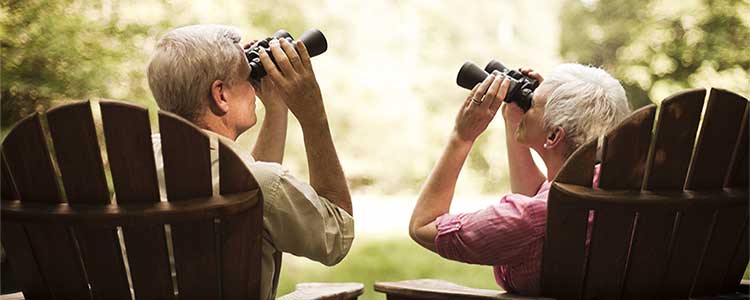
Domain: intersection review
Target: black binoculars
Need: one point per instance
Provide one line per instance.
(314, 41)
(520, 90)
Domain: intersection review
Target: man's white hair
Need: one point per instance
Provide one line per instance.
(185, 63)
(585, 101)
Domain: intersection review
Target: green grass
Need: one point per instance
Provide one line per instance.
(384, 260)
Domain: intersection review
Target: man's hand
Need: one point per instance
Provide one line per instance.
(480, 107)
(296, 84)
(294, 80)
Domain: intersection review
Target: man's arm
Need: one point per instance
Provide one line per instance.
(525, 176)
(272, 136)
(437, 193)
(301, 93)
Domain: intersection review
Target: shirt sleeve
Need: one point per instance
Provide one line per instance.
(299, 221)
(497, 235)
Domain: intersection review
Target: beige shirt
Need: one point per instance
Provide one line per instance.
(295, 218)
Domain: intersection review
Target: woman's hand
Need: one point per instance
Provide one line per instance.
(480, 108)
(512, 113)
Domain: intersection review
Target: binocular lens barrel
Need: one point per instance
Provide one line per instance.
(469, 75)
(314, 41)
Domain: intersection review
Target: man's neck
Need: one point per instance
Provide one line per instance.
(219, 127)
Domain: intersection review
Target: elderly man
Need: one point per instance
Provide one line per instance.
(201, 73)
(573, 106)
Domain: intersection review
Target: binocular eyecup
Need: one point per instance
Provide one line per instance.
(314, 41)
(521, 87)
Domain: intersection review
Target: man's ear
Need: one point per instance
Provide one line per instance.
(219, 103)
(555, 138)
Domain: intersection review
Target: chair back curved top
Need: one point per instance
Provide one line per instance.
(69, 235)
(669, 218)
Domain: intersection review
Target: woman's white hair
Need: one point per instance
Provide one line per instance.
(585, 101)
(185, 63)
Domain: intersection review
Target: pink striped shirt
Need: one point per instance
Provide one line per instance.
(508, 235)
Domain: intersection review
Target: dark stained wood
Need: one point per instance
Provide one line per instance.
(564, 247)
(325, 291)
(127, 133)
(31, 168)
(608, 253)
(693, 229)
(132, 214)
(20, 256)
(29, 161)
(187, 172)
(721, 126)
(79, 157)
(625, 150)
(77, 152)
(241, 233)
(674, 139)
(7, 187)
(131, 157)
(649, 254)
(719, 253)
(60, 261)
(629, 199)
(433, 289)
(739, 174)
(579, 168)
(738, 264)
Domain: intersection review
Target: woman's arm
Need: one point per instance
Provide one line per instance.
(437, 193)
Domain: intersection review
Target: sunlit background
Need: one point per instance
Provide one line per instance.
(388, 80)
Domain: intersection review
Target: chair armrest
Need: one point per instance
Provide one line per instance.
(325, 291)
(14, 296)
(442, 290)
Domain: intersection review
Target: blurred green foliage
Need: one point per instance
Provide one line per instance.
(56, 50)
(659, 47)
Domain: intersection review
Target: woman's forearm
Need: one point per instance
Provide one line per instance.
(437, 193)
(525, 177)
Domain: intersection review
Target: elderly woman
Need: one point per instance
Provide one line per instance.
(574, 105)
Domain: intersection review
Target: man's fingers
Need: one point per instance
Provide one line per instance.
(269, 66)
(292, 55)
(304, 56)
(280, 57)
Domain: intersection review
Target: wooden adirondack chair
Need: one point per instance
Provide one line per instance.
(64, 241)
(670, 213)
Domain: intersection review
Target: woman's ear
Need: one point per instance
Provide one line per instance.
(555, 138)
(219, 103)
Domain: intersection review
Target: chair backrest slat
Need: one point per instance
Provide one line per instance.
(187, 173)
(720, 250)
(738, 174)
(625, 150)
(718, 136)
(674, 138)
(608, 253)
(649, 252)
(79, 157)
(739, 263)
(564, 247)
(56, 252)
(7, 187)
(131, 159)
(240, 234)
(716, 143)
(29, 162)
